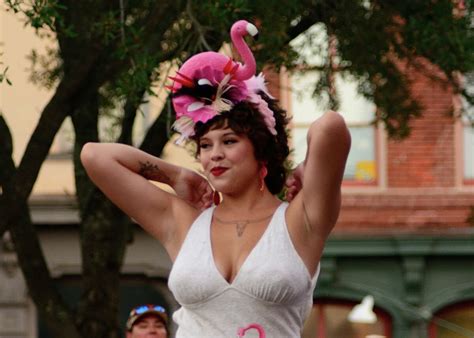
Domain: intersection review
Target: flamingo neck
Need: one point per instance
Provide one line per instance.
(246, 71)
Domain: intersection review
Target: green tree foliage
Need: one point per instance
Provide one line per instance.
(373, 38)
(107, 60)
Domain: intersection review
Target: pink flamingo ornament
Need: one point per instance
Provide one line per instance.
(211, 68)
(237, 33)
(261, 332)
(221, 62)
(210, 83)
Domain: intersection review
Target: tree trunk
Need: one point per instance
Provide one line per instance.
(103, 234)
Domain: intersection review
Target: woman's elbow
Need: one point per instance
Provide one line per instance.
(331, 126)
(89, 154)
(333, 122)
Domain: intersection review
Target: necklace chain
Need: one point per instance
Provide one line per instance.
(240, 225)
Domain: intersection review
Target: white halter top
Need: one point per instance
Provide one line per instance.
(273, 287)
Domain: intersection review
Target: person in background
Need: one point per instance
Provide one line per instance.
(147, 321)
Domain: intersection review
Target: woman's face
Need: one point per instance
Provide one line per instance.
(228, 160)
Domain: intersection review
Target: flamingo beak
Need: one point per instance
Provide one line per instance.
(251, 29)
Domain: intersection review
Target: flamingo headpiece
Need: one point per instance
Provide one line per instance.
(210, 83)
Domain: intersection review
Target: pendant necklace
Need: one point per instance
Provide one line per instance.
(242, 224)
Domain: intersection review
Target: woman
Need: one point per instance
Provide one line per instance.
(249, 257)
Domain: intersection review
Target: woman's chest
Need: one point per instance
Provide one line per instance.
(270, 272)
(232, 244)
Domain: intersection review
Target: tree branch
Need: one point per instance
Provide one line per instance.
(129, 114)
(158, 134)
(51, 120)
(7, 170)
(198, 26)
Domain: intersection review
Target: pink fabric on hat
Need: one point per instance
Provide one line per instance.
(232, 81)
(212, 64)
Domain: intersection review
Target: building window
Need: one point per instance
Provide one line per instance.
(359, 113)
(317, 50)
(328, 318)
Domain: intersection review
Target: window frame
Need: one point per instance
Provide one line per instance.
(459, 144)
(305, 124)
(465, 181)
(376, 181)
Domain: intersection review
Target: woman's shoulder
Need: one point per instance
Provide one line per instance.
(184, 213)
(185, 216)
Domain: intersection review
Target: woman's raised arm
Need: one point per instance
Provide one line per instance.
(123, 173)
(315, 187)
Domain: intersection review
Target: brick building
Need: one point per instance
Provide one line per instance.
(405, 234)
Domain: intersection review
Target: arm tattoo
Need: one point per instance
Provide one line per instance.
(153, 172)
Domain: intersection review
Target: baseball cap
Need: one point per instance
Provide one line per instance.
(142, 310)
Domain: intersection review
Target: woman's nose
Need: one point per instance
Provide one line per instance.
(217, 154)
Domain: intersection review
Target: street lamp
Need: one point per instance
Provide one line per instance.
(363, 313)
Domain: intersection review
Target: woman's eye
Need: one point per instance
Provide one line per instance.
(204, 145)
(231, 141)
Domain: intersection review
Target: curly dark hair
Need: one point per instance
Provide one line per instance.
(244, 118)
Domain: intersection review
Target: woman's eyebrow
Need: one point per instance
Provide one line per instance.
(229, 133)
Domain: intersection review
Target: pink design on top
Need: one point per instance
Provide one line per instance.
(261, 332)
(210, 83)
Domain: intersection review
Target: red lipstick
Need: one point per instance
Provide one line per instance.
(218, 171)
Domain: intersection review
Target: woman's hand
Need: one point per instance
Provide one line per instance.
(193, 188)
(294, 182)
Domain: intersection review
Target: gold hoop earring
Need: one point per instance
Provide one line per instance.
(263, 174)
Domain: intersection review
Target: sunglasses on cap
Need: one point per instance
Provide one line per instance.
(147, 308)
(140, 310)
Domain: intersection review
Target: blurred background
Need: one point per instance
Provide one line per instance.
(400, 262)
